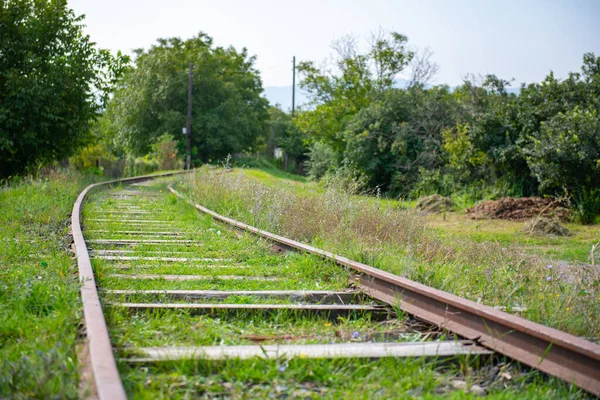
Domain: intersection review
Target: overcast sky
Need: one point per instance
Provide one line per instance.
(514, 39)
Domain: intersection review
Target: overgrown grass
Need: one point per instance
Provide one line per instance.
(398, 240)
(246, 255)
(336, 379)
(39, 303)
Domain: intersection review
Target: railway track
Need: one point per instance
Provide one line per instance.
(223, 294)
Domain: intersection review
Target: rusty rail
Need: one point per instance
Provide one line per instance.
(106, 375)
(554, 352)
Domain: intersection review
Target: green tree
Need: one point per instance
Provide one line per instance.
(566, 155)
(228, 111)
(283, 133)
(53, 83)
(399, 135)
(338, 95)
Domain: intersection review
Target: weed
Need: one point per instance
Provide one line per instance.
(356, 226)
(39, 307)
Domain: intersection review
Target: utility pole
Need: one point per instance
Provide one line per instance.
(293, 86)
(188, 157)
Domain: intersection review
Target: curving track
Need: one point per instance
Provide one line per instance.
(130, 226)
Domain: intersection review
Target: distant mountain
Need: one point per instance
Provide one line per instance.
(282, 95)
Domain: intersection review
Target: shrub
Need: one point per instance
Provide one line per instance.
(565, 154)
(321, 159)
(164, 150)
(142, 165)
(587, 205)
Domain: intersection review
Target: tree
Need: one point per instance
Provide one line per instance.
(53, 83)
(228, 111)
(284, 134)
(398, 135)
(338, 95)
(566, 155)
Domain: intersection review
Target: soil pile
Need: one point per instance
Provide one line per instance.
(518, 209)
(434, 204)
(545, 226)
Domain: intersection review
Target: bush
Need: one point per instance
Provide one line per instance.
(164, 150)
(142, 165)
(321, 159)
(565, 154)
(587, 205)
(97, 160)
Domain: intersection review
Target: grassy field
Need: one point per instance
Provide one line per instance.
(247, 256)
(40, 311)
(574, 248)
(492, 262)
(39, 305)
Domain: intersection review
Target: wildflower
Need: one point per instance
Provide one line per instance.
(548, 278)
(568, 308)
(281, 368)
(549, 267)
(303, 355)
(355, 335)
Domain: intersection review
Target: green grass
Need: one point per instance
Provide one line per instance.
(331, 379)
(280, 378)
(491, 262)
(39, 303)
(40, 312)
(573, 248)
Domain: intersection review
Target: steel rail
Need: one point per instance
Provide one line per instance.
(107, 380)
(557, 353)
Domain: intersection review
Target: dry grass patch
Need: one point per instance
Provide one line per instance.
(399, 240)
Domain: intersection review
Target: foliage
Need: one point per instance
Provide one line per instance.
(321, 159)
(284, 134)
(587, 204)
(142, 165)
(566, 155)
(476, 137)
(53, 83)
(164, 150)
(566, 151)
(397, 135)
(338, 95)
(228, 112)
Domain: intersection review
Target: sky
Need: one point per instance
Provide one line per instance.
(521, 40)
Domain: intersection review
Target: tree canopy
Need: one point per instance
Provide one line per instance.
(53, 83)
(478, 137)
(228, 111)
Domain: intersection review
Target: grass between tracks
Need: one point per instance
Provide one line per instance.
(39, 303)
(387, 235)
(272, 378)
(40, 315)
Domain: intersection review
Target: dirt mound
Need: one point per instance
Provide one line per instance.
(434, 203)
(545, 226)
(518, 209)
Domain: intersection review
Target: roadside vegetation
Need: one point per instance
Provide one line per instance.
(40, 315)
